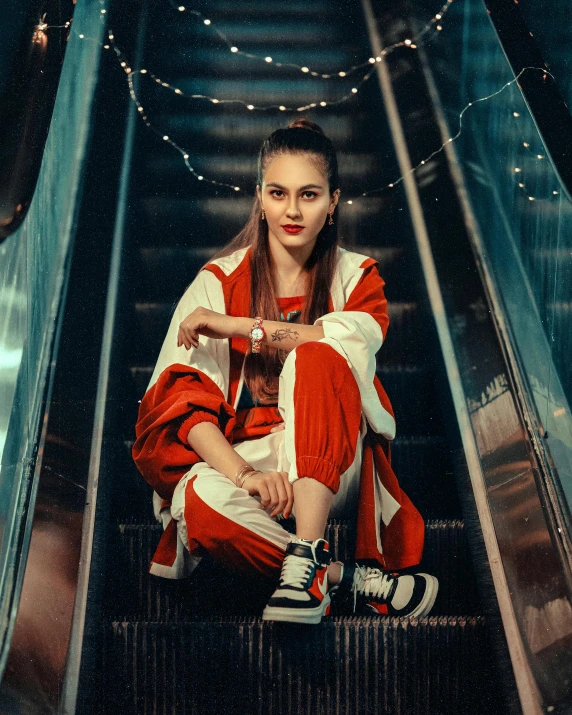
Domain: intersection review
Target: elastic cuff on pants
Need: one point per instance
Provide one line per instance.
(316, 468)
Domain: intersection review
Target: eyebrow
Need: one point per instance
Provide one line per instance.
(302, 188)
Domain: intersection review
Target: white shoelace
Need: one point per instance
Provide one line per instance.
(372, 583)
(295, 570)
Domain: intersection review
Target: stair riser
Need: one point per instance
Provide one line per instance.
(212, 590)
(383, 666)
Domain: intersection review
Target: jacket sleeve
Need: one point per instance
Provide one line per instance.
(357, 332)
(187, 387)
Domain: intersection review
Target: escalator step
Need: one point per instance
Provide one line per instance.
(146, 597)
(152, 321)
(422, 465)
(164, 272)
(212, 220)
(345, 665)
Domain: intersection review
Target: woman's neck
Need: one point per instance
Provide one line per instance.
(287, 266)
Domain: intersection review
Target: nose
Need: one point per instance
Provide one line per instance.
(293, 209)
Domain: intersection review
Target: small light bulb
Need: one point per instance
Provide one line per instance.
(234, 49)
(438, 16)
(111, 36)
(200, 178)
(378, 59)
(178, 91)
(354, 90)
(140, 109)
(215, 101)
(81, 37)
(237, 188)
(525, 144)
(123, 64)
(207, 22)
(181, 8)
(531, 198)
(439, 27)
(250, 106)
(342, 74)
(185, 156)
(282, 108)
(103, 12)
(268, 59)
(143, 71)
(515, 114)
(105, 47)
(350, 202)
(517, 170)
(521, 186)
(166, 138)
(305, 69)
(555, 192)
(323, 104)
(372, 60)
(407, 42)
(540, 156)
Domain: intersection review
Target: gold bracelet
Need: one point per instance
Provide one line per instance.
(239, 476)
(245, 477)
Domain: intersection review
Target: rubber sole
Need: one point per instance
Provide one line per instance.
(311, 616)
(428, 600)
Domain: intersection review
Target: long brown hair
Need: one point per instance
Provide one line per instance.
(301, 136)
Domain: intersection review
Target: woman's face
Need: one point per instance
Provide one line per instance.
(295, 192)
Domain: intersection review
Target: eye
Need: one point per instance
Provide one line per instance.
(274, 191)
(312, 193)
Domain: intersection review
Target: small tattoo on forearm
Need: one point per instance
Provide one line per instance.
(283, 333)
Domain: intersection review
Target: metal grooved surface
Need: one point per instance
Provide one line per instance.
(345, 666)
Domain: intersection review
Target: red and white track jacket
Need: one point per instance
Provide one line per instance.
(204, 384)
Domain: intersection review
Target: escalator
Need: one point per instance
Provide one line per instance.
(141, 644)
(210, 627)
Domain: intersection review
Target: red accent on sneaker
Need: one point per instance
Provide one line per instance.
(380, 608)
(319, 586)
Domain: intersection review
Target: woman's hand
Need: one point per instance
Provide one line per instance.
(203, 321)
(275, 491)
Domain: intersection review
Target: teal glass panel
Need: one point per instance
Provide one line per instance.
(551, 26)
(33, 269)
(523, 212)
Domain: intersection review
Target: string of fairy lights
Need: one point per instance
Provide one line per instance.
(410, 43)
(434, 24)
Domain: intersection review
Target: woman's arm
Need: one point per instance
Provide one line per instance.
(210, 444)
(216, 325)
(285, 336)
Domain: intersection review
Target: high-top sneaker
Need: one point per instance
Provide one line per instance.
(302, 592)
(384, 593)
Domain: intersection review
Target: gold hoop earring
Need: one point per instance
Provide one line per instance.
(331, 221)
(263, 214)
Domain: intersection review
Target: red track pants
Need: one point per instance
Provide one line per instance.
(320, 403)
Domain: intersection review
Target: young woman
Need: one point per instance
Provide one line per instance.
(264, 403)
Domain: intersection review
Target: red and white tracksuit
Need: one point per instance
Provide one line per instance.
(338, 423)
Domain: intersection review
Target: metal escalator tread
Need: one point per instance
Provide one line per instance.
(145, 597)
(346, 665)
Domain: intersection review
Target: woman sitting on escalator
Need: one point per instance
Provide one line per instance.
(264, 404)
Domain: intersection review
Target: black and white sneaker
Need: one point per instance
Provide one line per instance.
(384, 593)
(302, 593)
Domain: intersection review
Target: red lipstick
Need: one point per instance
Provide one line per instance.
(293, 228)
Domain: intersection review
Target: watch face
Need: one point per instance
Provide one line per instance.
(257, 333)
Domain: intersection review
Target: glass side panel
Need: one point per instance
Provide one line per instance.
(551, 27)
(524, 214)
(33, 267)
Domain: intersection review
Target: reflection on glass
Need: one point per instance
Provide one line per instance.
(523, 212)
